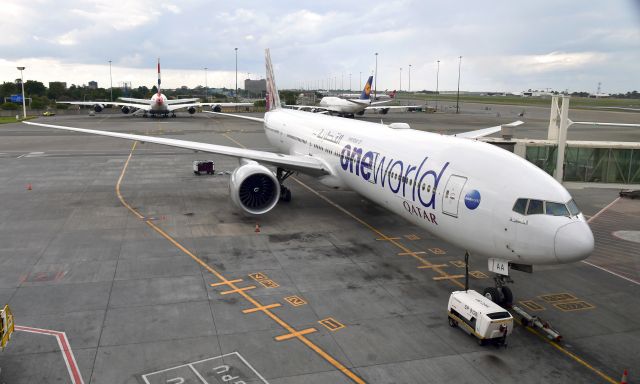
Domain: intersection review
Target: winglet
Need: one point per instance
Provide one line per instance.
(158, 76)
(366, 92)
(273, 98)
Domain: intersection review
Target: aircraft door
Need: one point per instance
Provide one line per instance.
(451, 195)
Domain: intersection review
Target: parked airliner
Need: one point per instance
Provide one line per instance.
(351, 107)
(158, 105)
(474, 195)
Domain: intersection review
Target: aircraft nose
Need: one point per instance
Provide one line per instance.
(574, 242)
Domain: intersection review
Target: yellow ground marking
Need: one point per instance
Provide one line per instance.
(458, 263)
(532, 305)
(432, 266)
(456, 282)
(258, 276)
(331, 324)
(228, 282)
(412, 237)
(411, 253)
(558, 297)
(574, 306)
(478, 275)
(448, 277)
(269, 283)
(300, 336)
(296, 301)
(437, 251)
(238, 290)
(384, 238)
(295, 334)
(261, 308)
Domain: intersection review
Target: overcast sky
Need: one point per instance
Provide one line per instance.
(505, 45)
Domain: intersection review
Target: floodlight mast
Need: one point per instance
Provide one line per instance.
(24, 107)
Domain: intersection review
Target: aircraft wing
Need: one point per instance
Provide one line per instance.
(144, 107)
(486, 131)
(134, 100)
(173, 107)
(311, 107)
(374, 107)
(258, 119)
(180, 101)
(305, 164)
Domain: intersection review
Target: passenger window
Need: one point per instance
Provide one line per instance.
(520, 206)
(535, 207)
(556, 209)
(573, 208)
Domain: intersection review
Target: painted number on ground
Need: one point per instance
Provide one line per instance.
(558, 297)
(437, 251)
(331, 324)
(573, 306)
(258, 276)
(296, 301)
(458, 263)
(412, 237)
(478, 274)
(231, 368)
(532, 305)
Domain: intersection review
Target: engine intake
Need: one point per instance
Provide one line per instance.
(125, 109)
(254, 188)
(216, 108)
(98, 107)
(191, 110)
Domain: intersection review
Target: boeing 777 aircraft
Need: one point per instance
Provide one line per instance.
(479, 197)
(351, 107)
(159, 104)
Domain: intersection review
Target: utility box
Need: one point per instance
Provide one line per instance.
(480, 317)
(204, 167)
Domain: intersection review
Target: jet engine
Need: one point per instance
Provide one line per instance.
(98, 107)
(254, 188)
(125, 109)
(360, 113)
(191, 110)
(216, 108)
(384, 111)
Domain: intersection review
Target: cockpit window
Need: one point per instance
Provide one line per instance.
(556, 209)
(520, 206)
(535, 207)
(573, 208)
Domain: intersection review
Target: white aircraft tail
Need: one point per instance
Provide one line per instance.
(273, 98)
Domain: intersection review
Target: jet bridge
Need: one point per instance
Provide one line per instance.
(615, 164)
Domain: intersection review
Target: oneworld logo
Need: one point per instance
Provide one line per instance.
(472, 199)
(415, 182)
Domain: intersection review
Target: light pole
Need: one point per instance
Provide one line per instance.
(110, 83)
(342, 81)
(437, 83)
(458, 93)
(375, 82)
(409, 78)
(400, 79)
(24, 106)
(206, 86)
(236, 94)
(360, 80)
(349, 82)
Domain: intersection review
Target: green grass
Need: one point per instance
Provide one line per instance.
(12, 119)
(576, 102)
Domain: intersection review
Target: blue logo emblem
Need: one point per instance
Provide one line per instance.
(472, 199)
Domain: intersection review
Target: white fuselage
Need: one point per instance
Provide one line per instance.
(344, 106)
(458, 189)
(158, 103)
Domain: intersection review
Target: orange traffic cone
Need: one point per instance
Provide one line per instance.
(29, 187)
(624, 377)
(257, 228)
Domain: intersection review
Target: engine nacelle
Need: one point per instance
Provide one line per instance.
(384, 111)
(125, 109)
(216, 108)
(254, 188)
(98, 107)
(360, 113)
(191, 110)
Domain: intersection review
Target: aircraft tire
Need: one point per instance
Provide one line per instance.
(507, 296)
(492, 294)
(452, 323)
(286, 195)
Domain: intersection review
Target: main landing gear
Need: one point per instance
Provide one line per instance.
(499, 293)
(285, 193)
